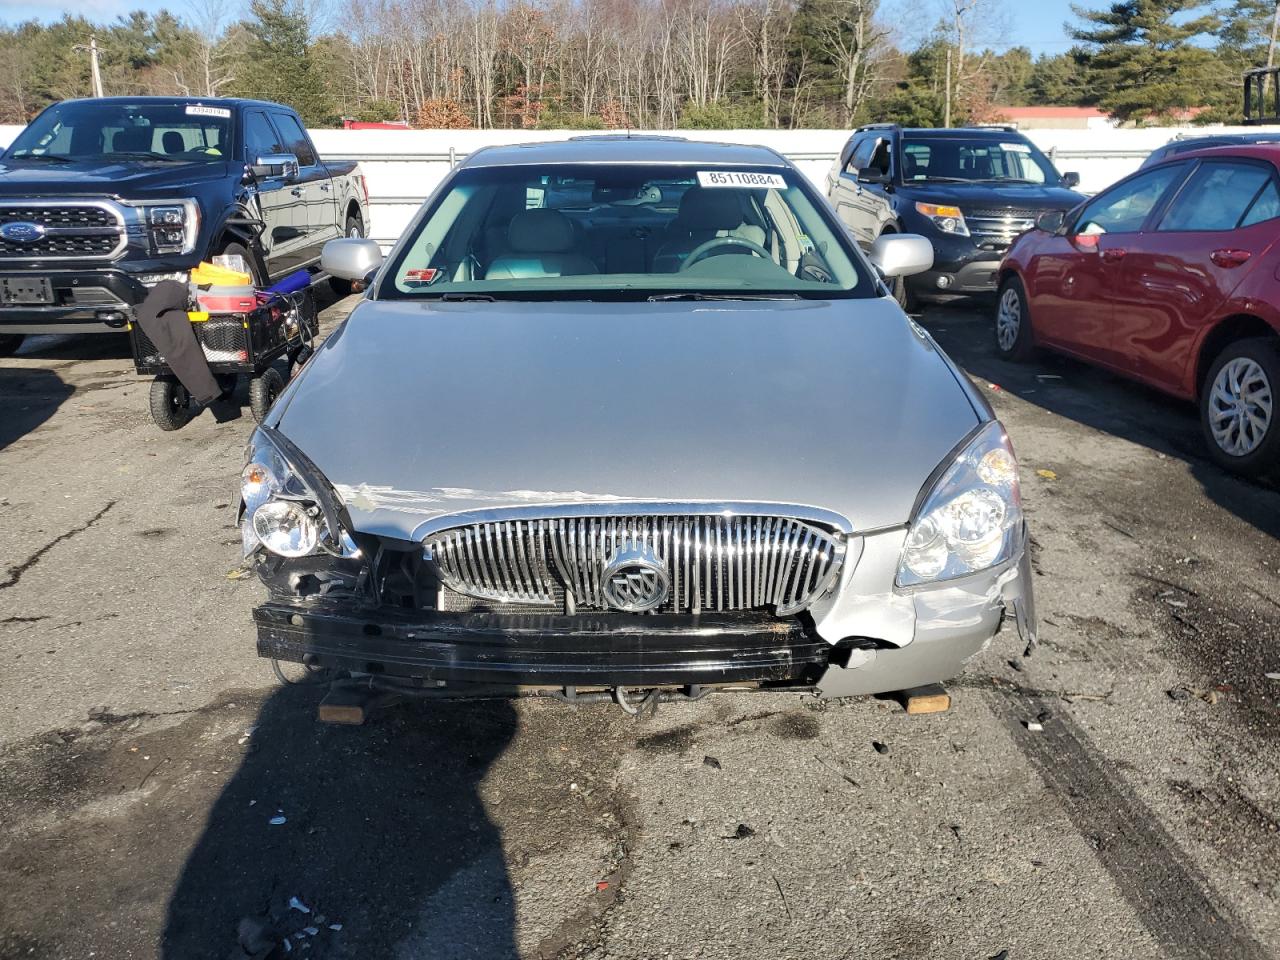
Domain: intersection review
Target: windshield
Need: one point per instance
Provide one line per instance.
(624, 231)
(977, 160)
(165, 132)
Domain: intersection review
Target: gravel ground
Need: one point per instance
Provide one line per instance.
(145, 752)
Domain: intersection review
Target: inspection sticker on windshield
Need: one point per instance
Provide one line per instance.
(1015, 148)
(741, 178)
(222, 112)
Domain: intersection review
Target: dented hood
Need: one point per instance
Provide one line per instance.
(413, 410)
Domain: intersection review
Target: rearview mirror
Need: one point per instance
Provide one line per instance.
(273, 165)
(1051, 221)
(901, 254)
(351, 258)
(1071, 180)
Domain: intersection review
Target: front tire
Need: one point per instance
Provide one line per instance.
(239, 249)
(10, 342)
(1014, 338)
(263, 390)
(354, 230)
(1238, 408)
(170, 404)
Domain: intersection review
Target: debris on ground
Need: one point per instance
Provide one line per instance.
(279, 819)
(741, 833)
(1180, 693)
(1035, 726)
(1272, 676)
(296, 904)
(1046, 475)
(880, 748)
(711, 762)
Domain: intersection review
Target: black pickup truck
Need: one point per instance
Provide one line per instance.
(102, 199)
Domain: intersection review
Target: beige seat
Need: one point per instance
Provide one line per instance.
(540, 244)
(705, 213)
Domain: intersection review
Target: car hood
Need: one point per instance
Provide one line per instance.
(20, 178)
(1023, 195)
(414, 410)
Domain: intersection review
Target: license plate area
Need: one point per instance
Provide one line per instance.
(26, 290)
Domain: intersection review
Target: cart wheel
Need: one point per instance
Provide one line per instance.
(263, 390)
(170, 404)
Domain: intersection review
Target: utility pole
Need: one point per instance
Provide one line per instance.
(94, 72)
(946, 108)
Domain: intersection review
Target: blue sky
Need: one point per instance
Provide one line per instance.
(1038, 25)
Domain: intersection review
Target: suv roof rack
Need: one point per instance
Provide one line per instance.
(878, 126)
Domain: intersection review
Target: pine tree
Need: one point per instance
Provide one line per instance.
(1142, 60)
(279, 63)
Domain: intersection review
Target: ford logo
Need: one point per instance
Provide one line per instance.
(21, 232)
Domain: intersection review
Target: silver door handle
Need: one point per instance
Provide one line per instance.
(324, 187)
(296, 191)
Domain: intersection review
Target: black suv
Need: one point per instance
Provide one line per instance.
(969, 190)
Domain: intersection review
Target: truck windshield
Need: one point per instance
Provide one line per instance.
(981, 160)
(163, 132)
(625, 231)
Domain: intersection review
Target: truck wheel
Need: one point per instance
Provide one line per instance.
(906, 298)
(10, 342)
(263, 390)
(353, 230)
(234, 249)
(1014, 338)
(1238, 408)
(170, 404)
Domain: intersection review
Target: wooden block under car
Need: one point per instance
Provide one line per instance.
(932, 698)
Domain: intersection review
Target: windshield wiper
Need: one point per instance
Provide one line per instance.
(1004, 180)
(943, 180)
(41, 156)
(467, 298)
(695, 295)
(144, 155)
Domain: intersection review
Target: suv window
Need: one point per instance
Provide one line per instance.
(1216, 197)
(861, 155)
(259, 136)
(880, 157)
(295, 139)
(981, 158)
(1125, 208)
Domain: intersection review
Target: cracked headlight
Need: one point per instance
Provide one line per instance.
(286, 505)
(971, 517)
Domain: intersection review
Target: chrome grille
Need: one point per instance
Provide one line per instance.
(999, 226)
(714, 562)
(85, 230)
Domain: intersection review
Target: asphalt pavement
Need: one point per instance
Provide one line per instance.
(161, 795)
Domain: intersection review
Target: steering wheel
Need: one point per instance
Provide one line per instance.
(702, 250)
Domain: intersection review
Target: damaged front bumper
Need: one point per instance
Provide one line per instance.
(884, 641)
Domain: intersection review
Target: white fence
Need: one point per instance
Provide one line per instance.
(403, 166)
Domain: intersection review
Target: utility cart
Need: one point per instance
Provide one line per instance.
(262, 344)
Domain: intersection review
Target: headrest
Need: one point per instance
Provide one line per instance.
(909, 166)
(540, 231)
(710, 209)
(132, 140)
(173, 142)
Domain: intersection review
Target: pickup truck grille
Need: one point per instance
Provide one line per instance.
(712, 562)
(87, 230)
(999, 227)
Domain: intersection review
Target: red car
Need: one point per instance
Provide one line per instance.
(1171, 277)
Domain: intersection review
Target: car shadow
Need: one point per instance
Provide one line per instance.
(29, 397)
(381, 836)
(71, 346)
(1103, 401)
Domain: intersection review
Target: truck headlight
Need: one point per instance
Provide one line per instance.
(947, 219)
(286, 505)
(971, 518)
(173, 226)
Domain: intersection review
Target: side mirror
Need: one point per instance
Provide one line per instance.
(350, 258)
(1071, 180)
(1051, 221)
(872, 175)
(273, 165)
(901, 254)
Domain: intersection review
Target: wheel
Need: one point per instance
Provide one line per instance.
(1238, 408)
(170, 404)
(354, 230)
(905, 296)
(1014, 338)
(234, 248)
(263, 390)
(10, 342)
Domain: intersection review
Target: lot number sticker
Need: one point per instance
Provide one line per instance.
(740, 179)
(222, 112)
(1015, 148)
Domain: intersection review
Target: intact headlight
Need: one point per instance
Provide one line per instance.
(173, 226)
(945, 218)
(286, 505)
(971, 518)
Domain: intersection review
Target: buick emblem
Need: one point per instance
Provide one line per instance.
(635, 580)
(21, 232)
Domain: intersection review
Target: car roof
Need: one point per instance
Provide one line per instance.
(625, 149)
(967, 133)
(1254, 151)
(206, 101)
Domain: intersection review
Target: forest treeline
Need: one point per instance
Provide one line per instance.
(650, 63)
